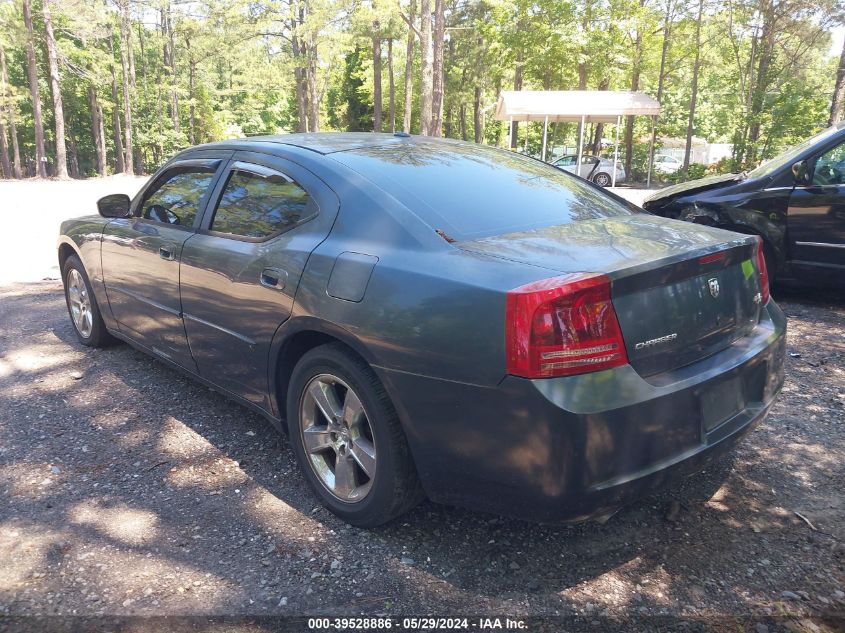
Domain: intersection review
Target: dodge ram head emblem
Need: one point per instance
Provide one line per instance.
(713, 284)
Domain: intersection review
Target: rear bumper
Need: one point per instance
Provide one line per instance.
(566, 449)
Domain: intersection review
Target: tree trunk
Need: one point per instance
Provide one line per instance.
(741, 137)
(407, 113)
(4, 150)
(56, 89)
(301, 84)
(32, 72)
(598, 132)
(758, 101)
(130, 54)
(313, 92)
(462, 122)
(125, 51)
(426, 68)
(143, 56)
(837, 106)
(119, 166)
(635, 85)
(599, 127)
(101, 122)
(664, 53)
(158, 149)
(391, 87)
(169, 42)
(4, 146)
(694, 94)
(73, 163)
(437, 70)
(135, 165)
(13, 130)
(17, 167)
(97, 130)
(476, 115)
(376, 75)
(584, 53)
(191, 105)
(517, 85)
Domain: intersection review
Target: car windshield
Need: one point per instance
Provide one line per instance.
(791, 155)
(472, 191)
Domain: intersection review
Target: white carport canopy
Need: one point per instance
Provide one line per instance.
(575, 106)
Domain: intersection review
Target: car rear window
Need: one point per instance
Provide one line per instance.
(472, 191)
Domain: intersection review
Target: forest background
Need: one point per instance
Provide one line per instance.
(92, 87)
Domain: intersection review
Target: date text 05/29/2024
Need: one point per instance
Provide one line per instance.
(482, 624)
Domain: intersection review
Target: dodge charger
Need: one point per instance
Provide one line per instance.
(426, 317)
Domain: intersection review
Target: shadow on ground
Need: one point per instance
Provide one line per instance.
(132, 490)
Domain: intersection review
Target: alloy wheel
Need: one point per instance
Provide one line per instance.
(80, 303)
(337, 438)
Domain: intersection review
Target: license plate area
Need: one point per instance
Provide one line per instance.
(720, 402)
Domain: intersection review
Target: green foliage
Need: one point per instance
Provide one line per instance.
(235, 64)
(694, 172)
(348, 106)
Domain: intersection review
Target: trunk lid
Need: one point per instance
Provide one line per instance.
(681, 291)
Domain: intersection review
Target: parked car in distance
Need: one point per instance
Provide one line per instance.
(795, 202)
(665, 164)
(431, 317)
(593, 168)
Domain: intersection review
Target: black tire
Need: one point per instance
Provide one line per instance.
(602, 179)
(395, 488)
(98, 335)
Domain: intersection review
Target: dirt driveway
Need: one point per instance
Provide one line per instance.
(127, 489)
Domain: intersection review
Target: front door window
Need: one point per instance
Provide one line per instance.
(830, 167)
(176, 200)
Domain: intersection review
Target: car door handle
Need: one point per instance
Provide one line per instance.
(166, 252)
(274, 278)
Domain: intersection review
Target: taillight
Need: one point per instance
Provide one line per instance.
(562, 326)
(761, 268)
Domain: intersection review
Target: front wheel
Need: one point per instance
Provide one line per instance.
(348, 439)
(602, 180)
(82, 306)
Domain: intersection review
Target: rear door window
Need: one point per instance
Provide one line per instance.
(258, 203)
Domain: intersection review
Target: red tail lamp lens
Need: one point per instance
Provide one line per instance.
(761, 268)
(562, 326)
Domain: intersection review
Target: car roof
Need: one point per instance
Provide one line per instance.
(318, 142)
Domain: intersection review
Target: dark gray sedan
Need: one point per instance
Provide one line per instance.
(430, 317)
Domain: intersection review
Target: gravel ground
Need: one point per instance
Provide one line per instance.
(129, 490)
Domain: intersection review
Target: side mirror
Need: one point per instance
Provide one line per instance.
(801, 172)
(114, 206)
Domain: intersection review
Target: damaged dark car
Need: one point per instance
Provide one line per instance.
(795, 202)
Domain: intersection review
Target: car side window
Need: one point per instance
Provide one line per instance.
(566, 161)
(830, 167)
(176, 200)
(260, 203)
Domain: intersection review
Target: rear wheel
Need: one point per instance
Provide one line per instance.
(348, 439)
(82, 306)
(602, 179)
